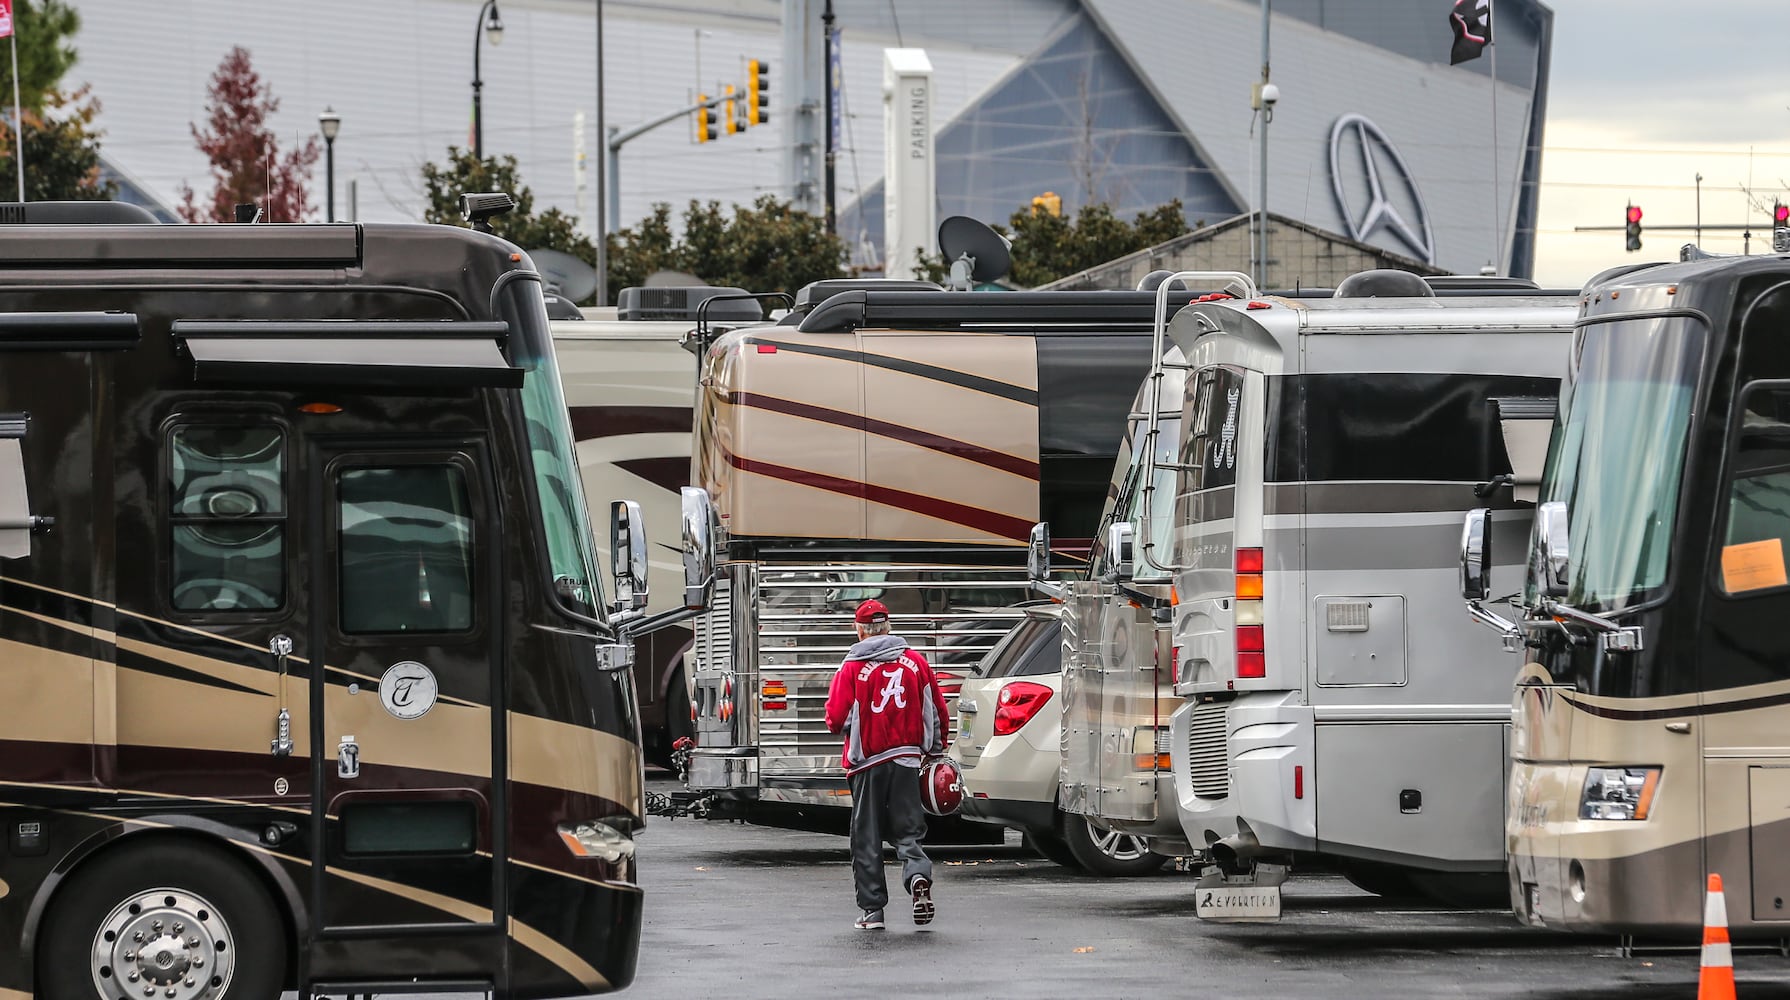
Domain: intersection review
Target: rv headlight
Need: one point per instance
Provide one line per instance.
(596, 840)
(1619, 792)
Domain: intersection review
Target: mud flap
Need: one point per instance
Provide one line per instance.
(1250, 898)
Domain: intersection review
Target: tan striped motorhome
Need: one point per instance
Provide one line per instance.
(897, 445)
(304, 645)
(1649, 747)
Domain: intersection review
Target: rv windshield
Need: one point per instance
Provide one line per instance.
(1161, 520)
(1617, 456)
(559, 499)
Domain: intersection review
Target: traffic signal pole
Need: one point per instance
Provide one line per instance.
(619, 137)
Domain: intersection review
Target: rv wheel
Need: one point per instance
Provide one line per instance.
(1107, 853)
(171, 918)
(1052, 848)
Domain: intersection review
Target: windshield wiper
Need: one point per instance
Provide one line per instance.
(1611, 635)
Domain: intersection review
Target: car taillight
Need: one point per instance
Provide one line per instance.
(1252, 658)
(776, 694)
(1018, 702)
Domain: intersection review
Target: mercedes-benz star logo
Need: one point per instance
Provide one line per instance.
(1360, 152)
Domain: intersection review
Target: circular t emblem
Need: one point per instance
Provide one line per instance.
(408, 690)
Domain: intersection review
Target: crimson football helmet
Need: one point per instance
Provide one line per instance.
(941, 786)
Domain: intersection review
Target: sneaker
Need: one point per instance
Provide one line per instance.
(922, 889)
(872, 920)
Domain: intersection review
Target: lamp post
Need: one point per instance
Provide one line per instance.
(329, 123)
(490, 27)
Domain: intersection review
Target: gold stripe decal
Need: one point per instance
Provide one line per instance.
(6, 994)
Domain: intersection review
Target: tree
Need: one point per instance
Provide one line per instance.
(246, 163)
(61, 151)
(1047, 247)
(463, 173)
(768, 246)
(44, 28)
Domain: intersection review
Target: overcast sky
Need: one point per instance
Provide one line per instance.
(1646, 94)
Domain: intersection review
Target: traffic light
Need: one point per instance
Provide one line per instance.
(1780, 227)
(728, 116)
(758, 92)
(1634, 228)
(705, 120)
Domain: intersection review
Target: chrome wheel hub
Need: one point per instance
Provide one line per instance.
(165, 943)
(1115, 845)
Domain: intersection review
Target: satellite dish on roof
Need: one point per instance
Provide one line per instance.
(977, 253)
(565, 273)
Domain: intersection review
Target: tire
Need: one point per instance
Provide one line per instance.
(677, 719)
(1052, 848)
(244, 945)
(1103, 853)
(1389, 881)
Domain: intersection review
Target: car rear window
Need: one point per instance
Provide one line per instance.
(1034, 647)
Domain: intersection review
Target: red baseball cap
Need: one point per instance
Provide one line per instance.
(871, 612)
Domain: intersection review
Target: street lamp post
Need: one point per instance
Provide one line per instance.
(490, 27)
(329, 123)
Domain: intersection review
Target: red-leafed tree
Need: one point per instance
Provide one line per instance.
(246, 163)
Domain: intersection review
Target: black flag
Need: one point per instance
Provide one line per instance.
(1471, 21)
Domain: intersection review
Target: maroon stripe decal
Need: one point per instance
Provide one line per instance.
(590, 422)
(988, 521)
(667, 473)
(883, 428)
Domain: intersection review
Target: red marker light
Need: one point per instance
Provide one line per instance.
(1634, 213)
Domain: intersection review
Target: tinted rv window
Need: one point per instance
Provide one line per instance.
(227, 518)
(1086, 382)
(1216, 407)
(404, 550)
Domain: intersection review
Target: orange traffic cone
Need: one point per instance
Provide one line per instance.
(1716, 979)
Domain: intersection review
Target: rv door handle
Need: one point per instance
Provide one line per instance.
(1678, 727)
(280, 646)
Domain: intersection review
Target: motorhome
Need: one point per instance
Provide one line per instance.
(897, 445)
(1649, 745)
(1336, 705)
(310, 680)
(630, 388)
(1118, 677)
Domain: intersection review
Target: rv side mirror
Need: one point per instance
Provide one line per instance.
(699, 548)
(1552, 549)
(627, 532)
(1118, 551)
(1038, 554)
(1476, 555)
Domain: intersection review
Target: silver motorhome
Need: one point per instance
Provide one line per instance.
(1337, 702)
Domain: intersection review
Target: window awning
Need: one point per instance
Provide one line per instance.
(348, 352)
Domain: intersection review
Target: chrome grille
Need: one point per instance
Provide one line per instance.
(714, 633)
(1164, 740)
(952, 614)
(1208, 763)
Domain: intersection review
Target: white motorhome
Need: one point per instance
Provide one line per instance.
(630, 387)
(1337, 703)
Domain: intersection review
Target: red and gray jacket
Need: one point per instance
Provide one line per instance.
(887, 703)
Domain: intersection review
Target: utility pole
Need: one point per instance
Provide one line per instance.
(604, 177)
(833, 84)
(1265, 97)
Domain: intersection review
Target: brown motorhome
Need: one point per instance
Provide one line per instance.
(309, 683)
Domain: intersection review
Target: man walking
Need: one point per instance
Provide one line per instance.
(887, 703)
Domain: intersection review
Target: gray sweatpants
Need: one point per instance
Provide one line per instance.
(885, 805)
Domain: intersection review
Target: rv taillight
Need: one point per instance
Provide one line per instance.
(1252, 660)
(775, 695)
(1298, 781)
(319, 408)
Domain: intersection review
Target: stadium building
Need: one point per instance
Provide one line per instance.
(1376, 138)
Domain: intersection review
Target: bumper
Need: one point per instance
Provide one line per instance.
(1025, 816)
(1271, 746)
(1626, 877)
(1013, 769)
(723, 769)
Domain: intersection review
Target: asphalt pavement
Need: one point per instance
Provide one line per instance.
(736, 912)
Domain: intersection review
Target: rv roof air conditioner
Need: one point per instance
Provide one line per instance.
(681, 302)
